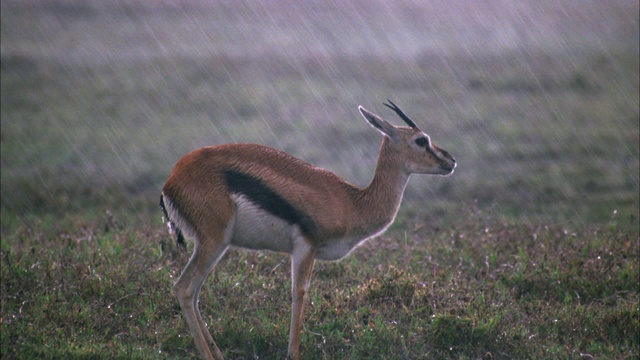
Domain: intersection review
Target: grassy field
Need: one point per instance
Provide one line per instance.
(530, 250)
(478, 289)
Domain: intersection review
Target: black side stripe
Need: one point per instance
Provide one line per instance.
(267, 199)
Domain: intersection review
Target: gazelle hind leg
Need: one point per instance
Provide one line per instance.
(187, 289)
(301, 269)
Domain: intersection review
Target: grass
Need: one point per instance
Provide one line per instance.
(530, 250)
(480, 289)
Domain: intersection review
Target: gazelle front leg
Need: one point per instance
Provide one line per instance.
(301, 269)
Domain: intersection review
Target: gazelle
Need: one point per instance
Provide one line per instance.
(256, 197)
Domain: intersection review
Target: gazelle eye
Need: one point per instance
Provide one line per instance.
(422, 142)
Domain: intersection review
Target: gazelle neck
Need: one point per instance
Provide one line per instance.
(378, 203)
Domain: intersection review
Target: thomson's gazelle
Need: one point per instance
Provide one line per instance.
(256, 197)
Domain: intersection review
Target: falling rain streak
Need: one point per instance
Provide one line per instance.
(538, 100)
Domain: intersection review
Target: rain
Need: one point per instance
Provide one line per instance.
(99, 99)
(538, 101)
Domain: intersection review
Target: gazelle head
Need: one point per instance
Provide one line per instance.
(412, 146)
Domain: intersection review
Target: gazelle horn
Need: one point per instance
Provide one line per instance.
(400, 113)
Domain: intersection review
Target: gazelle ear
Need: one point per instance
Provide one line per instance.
(378, 123)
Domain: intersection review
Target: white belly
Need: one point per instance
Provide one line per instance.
(257, 229)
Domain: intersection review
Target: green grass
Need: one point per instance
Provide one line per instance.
(478, 289)
(530, 250)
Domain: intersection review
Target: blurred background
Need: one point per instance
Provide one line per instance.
(537, 100)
